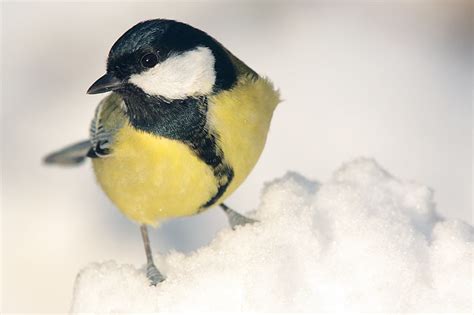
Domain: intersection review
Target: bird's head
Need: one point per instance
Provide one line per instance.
(168, 60)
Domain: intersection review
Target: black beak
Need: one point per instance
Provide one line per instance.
(106, 83)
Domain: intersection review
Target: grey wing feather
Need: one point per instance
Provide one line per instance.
(71, 155)
(108, 119)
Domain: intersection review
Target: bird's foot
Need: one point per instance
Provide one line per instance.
(235, 219)
(154, 275)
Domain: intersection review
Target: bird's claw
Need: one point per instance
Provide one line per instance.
(154, 275)
(236, 219)
(241, 221)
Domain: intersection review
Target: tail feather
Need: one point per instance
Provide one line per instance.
(70, 155)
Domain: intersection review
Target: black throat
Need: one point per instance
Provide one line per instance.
(184, 120)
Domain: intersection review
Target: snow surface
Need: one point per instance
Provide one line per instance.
(363, 241)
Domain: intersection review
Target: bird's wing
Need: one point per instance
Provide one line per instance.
(108, 119)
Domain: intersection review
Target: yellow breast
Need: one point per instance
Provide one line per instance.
(150, 178)
(242, 118)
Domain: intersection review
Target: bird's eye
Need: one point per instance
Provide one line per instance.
(149, 60)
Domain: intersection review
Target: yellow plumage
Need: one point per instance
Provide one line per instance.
(242, 117)
(151, 178)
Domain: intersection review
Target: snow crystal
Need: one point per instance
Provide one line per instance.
(362, 242)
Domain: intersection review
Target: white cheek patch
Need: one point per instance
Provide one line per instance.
(189, 74)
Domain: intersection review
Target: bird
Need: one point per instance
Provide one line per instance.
(184, 124)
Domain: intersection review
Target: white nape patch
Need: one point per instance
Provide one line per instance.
(189, 74)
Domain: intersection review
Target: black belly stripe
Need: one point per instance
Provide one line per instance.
(206, 148)
(221, 189)
(184, 120)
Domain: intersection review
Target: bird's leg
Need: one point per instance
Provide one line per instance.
(235, 219)
(152, 272)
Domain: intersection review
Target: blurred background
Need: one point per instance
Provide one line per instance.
(390, 80)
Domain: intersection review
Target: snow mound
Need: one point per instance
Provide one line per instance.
(362, 242)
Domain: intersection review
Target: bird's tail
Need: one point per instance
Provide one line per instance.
(71, 155)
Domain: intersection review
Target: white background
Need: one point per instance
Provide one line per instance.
(390, 80)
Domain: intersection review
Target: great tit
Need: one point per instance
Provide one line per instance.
(184, 125)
